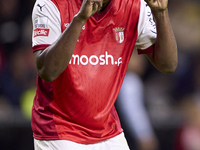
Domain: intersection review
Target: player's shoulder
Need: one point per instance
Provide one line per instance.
(46, 3)
(45, 7)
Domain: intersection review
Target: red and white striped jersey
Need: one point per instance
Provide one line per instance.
(79, 104)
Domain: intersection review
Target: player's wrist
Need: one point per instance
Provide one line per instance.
(160, 14)
(78, 17)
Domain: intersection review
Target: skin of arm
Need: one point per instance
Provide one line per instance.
(53, 60)
(165, 55)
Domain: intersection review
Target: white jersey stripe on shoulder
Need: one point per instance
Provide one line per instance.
(46, 23)
(146, 27)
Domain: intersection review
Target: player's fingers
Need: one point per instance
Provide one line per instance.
(95, 7)
(95, 1)
(98, 4)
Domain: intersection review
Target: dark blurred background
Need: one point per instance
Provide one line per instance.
(171, 100)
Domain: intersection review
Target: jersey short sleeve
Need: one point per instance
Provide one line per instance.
(46, 24)
(146, 28)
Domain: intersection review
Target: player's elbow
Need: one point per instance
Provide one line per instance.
(168, 68)
(48, 76)
(48, 72)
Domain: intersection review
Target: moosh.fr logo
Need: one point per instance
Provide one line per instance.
(104, 59)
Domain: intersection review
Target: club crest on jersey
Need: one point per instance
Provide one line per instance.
(119, 34)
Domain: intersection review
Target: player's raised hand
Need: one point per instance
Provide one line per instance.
(89, 7)
(157, 5)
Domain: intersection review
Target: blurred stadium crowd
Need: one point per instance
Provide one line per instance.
(171, 100)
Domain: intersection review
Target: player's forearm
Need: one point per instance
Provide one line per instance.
(165, 57)
(52, 61)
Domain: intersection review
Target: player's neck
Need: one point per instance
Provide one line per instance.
(105, 3)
